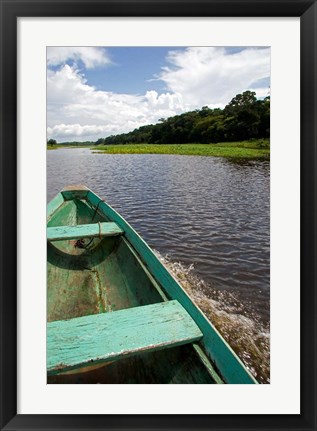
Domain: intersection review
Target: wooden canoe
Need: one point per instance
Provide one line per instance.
(114, 313)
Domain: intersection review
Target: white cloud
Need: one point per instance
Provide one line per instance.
(90, 56)
(212, 76)
(76, 130)
(261, 92)
(76, 110)
(194, 77)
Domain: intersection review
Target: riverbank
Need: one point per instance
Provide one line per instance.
(247, 149)
(58, 146)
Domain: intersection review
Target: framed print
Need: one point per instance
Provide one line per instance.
(168, 68)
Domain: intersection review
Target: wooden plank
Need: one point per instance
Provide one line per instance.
(95, 230)
(228, 363)
(75, 188)
(105, 337)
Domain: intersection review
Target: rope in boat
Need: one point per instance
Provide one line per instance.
(80, 243)
(96, 209)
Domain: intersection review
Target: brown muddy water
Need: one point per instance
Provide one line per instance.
(207, 218)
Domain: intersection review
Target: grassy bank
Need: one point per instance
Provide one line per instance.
(246, 149)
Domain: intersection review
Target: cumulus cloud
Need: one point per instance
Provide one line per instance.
(77, 110)
(90, 56)
(194, 77)
(77, 130)
(212, 76)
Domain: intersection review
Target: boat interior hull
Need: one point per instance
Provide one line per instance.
(100, 271)
(103, 275)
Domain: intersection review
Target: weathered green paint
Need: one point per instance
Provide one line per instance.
(146, 271)
(75, 192)
(65, 214)
(204, 359)
(104, 337)
(231, 367)
(105, 276)
(54, 204)
(122, 272)
(95, 230)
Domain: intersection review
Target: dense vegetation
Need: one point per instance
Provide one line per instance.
(244, 118)
(258, 148)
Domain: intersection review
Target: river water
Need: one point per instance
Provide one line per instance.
(207, 218)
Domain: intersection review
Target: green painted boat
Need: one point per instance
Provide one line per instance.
(114, 312)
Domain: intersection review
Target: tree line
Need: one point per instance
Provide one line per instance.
(52, 142)
(245, 117)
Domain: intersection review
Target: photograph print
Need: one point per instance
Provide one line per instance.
(158, 215)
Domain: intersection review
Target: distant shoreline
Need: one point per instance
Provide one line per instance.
(252, 149)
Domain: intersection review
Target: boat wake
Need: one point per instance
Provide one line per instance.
(240, 327)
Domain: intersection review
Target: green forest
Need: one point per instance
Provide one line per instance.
(244, 118)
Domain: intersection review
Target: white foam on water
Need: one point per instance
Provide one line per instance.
(241, 327)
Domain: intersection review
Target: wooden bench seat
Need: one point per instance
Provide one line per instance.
(98, 338)
(62, 233)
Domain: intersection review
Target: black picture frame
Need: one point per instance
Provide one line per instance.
(10, 11)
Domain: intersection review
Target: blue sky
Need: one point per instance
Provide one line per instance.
(94, 92)
(132, 72)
